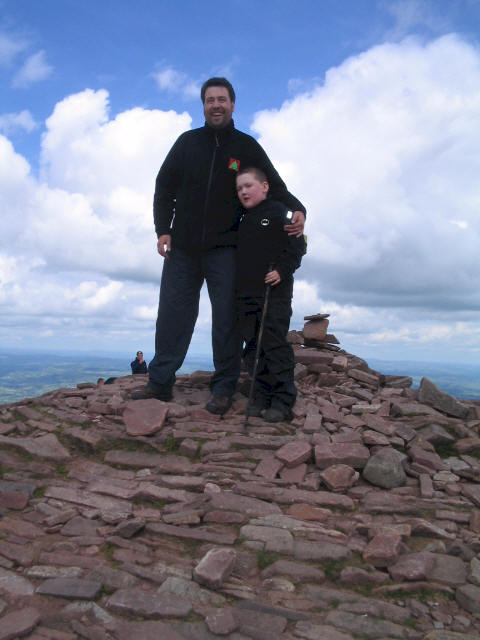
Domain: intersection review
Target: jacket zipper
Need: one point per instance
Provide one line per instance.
(209, 184)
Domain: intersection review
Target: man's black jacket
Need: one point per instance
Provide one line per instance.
(264, 245)
(195, 193)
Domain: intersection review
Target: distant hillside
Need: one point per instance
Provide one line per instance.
(29, 375)
(460, 380)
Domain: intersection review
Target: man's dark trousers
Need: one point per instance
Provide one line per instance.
(183, 275)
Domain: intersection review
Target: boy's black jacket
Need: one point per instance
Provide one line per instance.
(195, 187)
(262, 242)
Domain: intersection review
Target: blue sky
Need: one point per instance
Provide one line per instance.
(369, 109)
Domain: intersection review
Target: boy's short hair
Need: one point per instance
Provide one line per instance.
(217, 82)
(258, 173)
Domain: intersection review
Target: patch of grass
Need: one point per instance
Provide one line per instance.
(108, 549)
(4, 470)
(475, 453)
(422, 595)
(332, 569)
(265, 559)
(62, 470)
(430, 595)
(445, 450)
(410, 623)
(39, 492)
(190, 546)
(157, 504)
(171, 444)
(129, 444)
(364, 590)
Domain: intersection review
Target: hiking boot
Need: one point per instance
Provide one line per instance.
(257, 407)
(148, 392)
(255, 411)
(276, 415)
(218, 404)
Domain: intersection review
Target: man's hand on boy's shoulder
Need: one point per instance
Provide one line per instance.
(295, 228)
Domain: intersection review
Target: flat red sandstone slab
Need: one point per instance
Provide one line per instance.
(144, 417)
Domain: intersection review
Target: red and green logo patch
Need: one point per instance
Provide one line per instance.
(234, 164)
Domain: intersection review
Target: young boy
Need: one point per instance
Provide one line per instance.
(266, 256)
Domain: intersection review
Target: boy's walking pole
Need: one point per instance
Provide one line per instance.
(257, 352)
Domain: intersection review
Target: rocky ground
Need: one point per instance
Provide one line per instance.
(358, 519)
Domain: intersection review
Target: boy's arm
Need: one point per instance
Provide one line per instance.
(277, 188)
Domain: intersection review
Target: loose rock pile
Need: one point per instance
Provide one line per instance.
(358, 519)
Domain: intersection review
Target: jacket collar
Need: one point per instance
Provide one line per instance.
(220, 133)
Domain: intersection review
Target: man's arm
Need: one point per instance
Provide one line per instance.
(278, 191)
(290, 258)
(166, 185)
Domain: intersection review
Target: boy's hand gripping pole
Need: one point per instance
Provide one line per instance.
(257, 352)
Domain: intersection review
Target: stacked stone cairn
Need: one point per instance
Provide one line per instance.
(358, 519)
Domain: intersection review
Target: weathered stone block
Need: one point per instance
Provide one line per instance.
(430, 394)
(72, 588)
(137, 602)
(412, 566)
(294, 453)
(339, 477)
(382, 550)
(311, 356)
(468, 597)
(362, 376)
(385, 469)
(18, 623)
(145, 417)
(315, 329)
(215, 567)
(353, 455)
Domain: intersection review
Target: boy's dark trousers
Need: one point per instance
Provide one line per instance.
(274, 385)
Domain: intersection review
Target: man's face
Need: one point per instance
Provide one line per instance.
(218, 107)
(250, 190)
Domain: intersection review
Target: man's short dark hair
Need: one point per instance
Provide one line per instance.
(258, 173)
(217, 82)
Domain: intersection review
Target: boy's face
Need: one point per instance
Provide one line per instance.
(250, 190)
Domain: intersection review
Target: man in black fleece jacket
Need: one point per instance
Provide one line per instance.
(266, 256)
(196, 213)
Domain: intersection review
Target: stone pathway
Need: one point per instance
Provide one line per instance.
(358, 519)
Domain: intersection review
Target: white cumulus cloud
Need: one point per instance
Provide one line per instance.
(177, 82)
(10, 122)
(34, 69)
(10, 46)
(383, 152)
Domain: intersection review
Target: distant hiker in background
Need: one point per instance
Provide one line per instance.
(139, 365)
(196, 213)
(266, 257)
